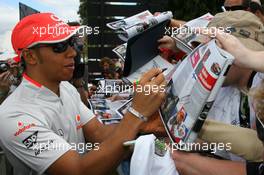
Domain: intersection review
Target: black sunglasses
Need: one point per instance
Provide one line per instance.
(260, 129)
(235, 7)
(59, 47)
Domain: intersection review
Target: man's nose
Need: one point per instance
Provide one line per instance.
(71, 52)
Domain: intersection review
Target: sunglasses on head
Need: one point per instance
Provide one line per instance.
(260, 129)
(59, 47)
(235, 7)
(254, 7)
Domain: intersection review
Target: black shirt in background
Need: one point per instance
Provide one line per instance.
(254, 168)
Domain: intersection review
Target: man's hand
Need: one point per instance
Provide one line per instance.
(150, 92)
(232, 45)
(194, 164)
(155, 126)
(169, 43)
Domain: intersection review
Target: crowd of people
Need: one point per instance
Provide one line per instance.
(43, 106)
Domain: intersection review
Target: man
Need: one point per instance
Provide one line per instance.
(193, 164)
(108, 68)
(231, 105)
(254, 60)
(253, 6)
(44, 125)
(236, 4)
(239, 22)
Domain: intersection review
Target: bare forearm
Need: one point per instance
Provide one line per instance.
(194, 164)
(210, 166)
(247, 58)
(256, 60)
(111, 151)
(105, 132)
(250, 148)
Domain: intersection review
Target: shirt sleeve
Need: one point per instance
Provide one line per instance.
(244, 142)
(86, 114)
(32, 142)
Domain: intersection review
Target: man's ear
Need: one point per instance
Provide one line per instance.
(29, 56)
(259, 13)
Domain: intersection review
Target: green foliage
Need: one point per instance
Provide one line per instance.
(83, 11)
(182, 9)
(190, 9)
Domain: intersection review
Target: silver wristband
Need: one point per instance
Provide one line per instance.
(137, 114)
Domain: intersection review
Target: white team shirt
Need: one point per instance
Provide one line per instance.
(37, 126)
(226, 108)
(227, 103)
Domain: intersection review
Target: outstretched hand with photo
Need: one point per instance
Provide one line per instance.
(244, 57)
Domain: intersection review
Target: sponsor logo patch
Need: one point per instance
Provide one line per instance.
(31, 140)
(78, 120)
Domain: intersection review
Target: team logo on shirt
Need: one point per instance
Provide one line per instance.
(22, 127)
(78, 120)
(31, 140)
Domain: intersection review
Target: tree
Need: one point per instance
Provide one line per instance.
(187, 10)
(83, 11)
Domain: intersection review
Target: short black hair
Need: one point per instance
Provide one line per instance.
(73, 23)
(23, 63)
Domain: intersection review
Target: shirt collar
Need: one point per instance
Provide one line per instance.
(39, 90)
(33, 82)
